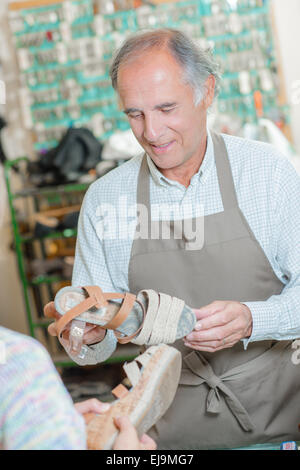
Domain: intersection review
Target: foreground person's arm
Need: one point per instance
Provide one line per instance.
(36, 411)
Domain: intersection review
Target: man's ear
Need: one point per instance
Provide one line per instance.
(209, 87)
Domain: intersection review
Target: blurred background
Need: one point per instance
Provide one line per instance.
(60, 126)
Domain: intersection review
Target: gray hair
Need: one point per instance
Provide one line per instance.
(197, 63)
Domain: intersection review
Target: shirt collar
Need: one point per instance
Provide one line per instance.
(201, 175)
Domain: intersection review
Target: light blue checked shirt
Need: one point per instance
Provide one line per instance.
(268, 191)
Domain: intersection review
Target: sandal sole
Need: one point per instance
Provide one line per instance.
(145, 403)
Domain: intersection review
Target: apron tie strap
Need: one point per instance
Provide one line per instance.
(199, 366)
(213, 401)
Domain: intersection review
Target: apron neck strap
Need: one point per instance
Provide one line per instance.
(224, 174)
(143, 187)
(225, 179)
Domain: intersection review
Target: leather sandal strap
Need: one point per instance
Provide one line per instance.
(97, 294)
(120, 391)
(95, 299)
(74, 312)
(152, 310)
(163, 315)
(113, 295)
(132, 371)
(126, 339)
(123, 313)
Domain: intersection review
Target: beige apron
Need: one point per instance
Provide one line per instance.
(233, 397)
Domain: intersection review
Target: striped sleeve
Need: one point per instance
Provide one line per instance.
(36, 411)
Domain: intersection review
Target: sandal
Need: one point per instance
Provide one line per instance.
(153, 389)
(148, 318)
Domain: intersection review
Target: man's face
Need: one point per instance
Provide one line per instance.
(161, 110)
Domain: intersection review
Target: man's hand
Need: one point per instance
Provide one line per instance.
(128, 438)
(93, 333)
(220, 325)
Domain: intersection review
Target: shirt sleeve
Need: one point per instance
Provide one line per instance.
(279, 317)
(90, 268)
(36, 411)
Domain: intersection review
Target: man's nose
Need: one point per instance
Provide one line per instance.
(152, 128)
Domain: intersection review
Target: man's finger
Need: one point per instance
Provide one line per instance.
(52, 329)
(205, 346)
(210, 349)
(50, 311)
(212, 346)
(212, 321)
(212, 334)
(208, 310)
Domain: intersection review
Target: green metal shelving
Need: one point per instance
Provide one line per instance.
(21, 240)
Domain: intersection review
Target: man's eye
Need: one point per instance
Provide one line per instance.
(167, 110)
(134, 116)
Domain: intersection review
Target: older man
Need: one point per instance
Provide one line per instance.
(239, 385)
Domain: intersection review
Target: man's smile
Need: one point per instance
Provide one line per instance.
(161, 148)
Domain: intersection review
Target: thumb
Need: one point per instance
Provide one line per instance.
(52, 329)
(147, 443)
(127, 438)
(123, 423)
(50, 311)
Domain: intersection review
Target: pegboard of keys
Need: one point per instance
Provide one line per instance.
(64, 49)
